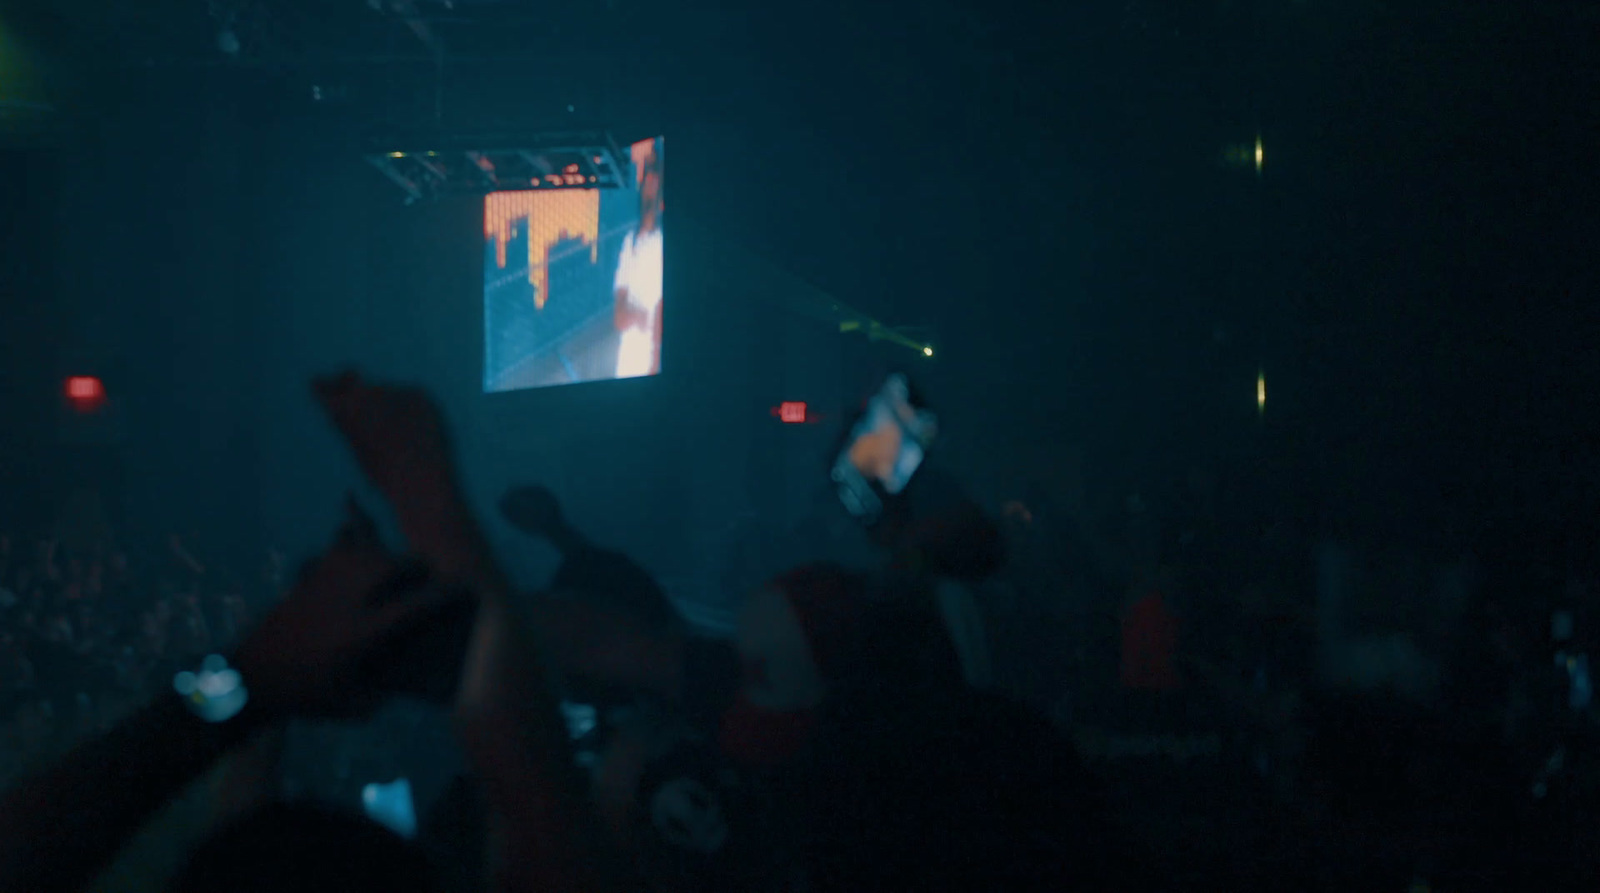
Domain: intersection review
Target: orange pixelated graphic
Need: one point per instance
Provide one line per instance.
(550, 218)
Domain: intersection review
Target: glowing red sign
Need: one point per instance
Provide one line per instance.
(85, 392)
(85, 388)
(792, 412)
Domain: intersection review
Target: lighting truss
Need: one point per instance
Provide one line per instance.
(433, 166)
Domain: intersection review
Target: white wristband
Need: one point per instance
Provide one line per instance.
(215, 693)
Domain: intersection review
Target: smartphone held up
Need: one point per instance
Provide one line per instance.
(883, 449)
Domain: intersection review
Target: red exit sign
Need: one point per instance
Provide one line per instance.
(85, 392)
(792, 412)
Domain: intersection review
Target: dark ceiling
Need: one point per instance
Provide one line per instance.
(292, 33)
(403, 64)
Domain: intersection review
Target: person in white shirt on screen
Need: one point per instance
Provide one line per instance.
(638, 282)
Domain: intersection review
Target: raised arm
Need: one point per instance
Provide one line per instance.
(60, 829)
(506, 714)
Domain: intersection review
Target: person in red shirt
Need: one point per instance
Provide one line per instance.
(1150, 634)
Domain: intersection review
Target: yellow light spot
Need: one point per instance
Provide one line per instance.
(1261, 391)
(1261, 154)
(397, 154)
(927, 351)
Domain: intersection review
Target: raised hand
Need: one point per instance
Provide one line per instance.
(398, 437)
(396, 433)
(505, 714)
(310, 655)
(47, 554)
(181, 552)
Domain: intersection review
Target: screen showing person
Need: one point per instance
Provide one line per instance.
(573, 284)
